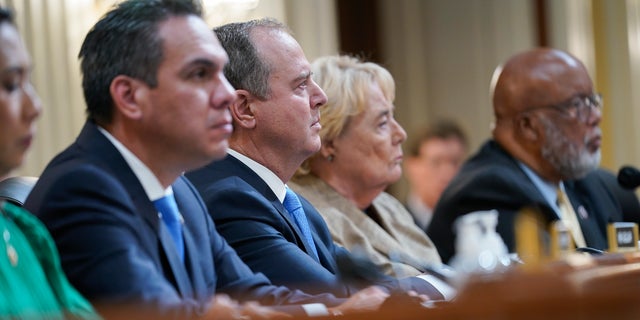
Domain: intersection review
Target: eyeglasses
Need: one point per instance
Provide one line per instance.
(578, 107)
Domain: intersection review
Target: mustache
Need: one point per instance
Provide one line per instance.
(595, 134)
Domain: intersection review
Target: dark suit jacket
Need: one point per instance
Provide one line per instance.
(114, 248)
(492, 179)
(255, 223)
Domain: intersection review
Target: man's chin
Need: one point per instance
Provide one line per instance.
(214, 155)
(315, 145)
(586, 167)
(219, 154)
(595, 159)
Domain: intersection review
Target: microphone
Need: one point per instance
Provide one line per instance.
(629, 177)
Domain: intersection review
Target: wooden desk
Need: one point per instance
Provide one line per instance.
(607, 288)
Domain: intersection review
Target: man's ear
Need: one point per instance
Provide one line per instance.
(242, 109)
(528, 127)
(129, 96)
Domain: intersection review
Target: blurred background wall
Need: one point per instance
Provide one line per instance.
(442, 54)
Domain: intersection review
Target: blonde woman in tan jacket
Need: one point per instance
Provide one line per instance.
(360, 156)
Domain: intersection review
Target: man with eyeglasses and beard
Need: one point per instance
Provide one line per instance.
(546, 144)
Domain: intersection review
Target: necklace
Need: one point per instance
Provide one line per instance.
(12, 254)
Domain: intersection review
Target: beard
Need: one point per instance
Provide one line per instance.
(571, 160)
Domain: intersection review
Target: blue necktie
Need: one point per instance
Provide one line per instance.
(294, 207)
(171, 218)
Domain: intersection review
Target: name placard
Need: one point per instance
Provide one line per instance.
(561, 241)
(622, 236)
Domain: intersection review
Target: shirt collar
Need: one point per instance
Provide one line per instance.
(548, 189)
(150, 183)
(271, 179)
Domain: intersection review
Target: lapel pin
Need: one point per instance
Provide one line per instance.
(582, 212)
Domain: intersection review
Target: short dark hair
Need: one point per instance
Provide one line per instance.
(442, 129)
(6, 15)
(125, 42)
(246, 70)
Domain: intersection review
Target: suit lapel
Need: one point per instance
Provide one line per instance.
(191, 264)
(236, 167)
(98, 146)
(528, 193)
(178, 270)
(289, 219)
(581, 197)
(325, 256)
(177, 267)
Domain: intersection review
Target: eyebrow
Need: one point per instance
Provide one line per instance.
(14, 69)
(203, 61)
(303, 75)
(384, 113)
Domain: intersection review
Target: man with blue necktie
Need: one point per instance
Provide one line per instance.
(276, 127)
(129, 227)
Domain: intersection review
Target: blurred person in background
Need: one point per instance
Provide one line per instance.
(435, 156)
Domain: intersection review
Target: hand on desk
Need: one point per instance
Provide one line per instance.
(368, 299)
(402, 300)
(229, 309)
(253, 310)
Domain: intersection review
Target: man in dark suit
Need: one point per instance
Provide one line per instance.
(157, 105)
(276, 127)
(546, 138)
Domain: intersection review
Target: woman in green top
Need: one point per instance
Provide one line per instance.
(32, 283)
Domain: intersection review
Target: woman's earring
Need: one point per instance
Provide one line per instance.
(330, 158)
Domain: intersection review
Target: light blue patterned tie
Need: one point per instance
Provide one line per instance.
(294, 207)
(171, 217)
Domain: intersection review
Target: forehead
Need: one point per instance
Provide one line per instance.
(281, 52)
(188, 38)
(12, 50)
(371, 108)
(553, 79)
(375, 103)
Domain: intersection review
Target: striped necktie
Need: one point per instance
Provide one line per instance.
(569, 218)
